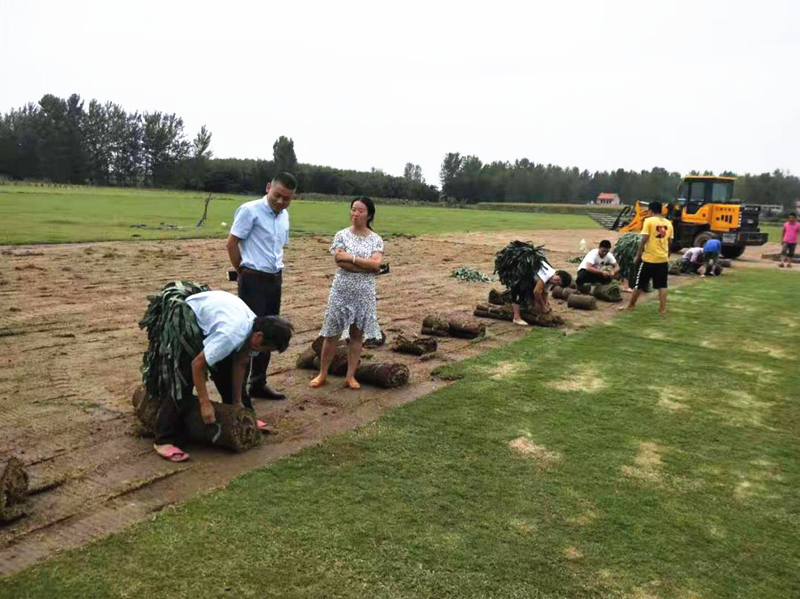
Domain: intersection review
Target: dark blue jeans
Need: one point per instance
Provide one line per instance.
(262, 294)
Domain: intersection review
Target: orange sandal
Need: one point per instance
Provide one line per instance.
(352, 384)
(317, 382)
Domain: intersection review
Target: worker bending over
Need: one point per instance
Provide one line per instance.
(191, 332)
(546, 279)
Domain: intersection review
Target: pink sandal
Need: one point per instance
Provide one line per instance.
(262, 426)
(173, 454)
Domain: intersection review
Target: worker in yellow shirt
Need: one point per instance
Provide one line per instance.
(653, 258)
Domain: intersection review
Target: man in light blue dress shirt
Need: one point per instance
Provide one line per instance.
(255, 245)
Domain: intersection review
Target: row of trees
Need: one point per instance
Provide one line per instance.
(67, 141)
(468, 179)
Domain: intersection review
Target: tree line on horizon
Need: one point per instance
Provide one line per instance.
(67, 141)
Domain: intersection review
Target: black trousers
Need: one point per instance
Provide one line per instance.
(262, 294)
(169, 420)
(586, 276)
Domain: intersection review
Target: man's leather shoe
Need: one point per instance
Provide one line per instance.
(265, 392)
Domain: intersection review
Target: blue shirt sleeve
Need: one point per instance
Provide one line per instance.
(242, 222)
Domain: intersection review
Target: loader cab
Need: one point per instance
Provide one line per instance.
(694, 192)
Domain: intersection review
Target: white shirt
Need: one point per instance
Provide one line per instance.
(545, 273)
(692, 254)
(593, 258)
(263, 235)
(225, 320)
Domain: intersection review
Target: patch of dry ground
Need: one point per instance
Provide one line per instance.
(584, 377)
(525, 447)
(647, 464)
(71, 350)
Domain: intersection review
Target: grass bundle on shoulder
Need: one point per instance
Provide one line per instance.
(625, 253)
(517, 265)
(174, 340)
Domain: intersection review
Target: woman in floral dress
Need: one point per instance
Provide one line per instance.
(351, 311)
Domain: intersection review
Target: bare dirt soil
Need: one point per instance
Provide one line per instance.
(70, 351)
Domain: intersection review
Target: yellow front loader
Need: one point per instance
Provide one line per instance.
(704, 209)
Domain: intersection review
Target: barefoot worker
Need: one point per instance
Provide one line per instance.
(357, 252)
(192, 331)
(599, 265)
(255, 245)
(653, 258)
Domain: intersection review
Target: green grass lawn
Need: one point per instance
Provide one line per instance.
(30, 214)
(644, 457)
(775, 232)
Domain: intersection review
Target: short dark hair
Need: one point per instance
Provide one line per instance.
(288, 180)
(370, 209)
(605, 244)
(277, 331)
(566, 278)
(655, 207)
(793, 214)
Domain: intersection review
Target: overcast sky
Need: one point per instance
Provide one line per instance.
(598, 85)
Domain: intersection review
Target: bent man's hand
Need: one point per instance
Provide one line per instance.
(207, 412)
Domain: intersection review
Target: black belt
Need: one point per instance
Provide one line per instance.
(261, 274)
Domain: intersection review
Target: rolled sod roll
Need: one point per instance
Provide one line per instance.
(494, 311)
(417, 347)
(499, 298)
(436, 326)
(387, 375)
(371, 343)
(582, 302)
(338, 365)
(466, 329)
(237, 431)
(610, 292)
(13, 489)
(504, 313)
(316, 345)
(565, 293)
(585, 289)
(725, 262)
(557, 291)
(306, 359)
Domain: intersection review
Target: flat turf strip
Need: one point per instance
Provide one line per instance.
(43, 215)
(644, 457)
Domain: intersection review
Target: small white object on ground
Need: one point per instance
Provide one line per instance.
(223, 224)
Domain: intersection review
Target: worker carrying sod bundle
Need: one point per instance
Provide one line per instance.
(191, 331)
(526, 273)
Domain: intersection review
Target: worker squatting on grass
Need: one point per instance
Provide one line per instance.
(192, 331)
(598, 266)
(652, 258)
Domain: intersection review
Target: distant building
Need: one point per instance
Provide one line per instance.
(608, 199)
